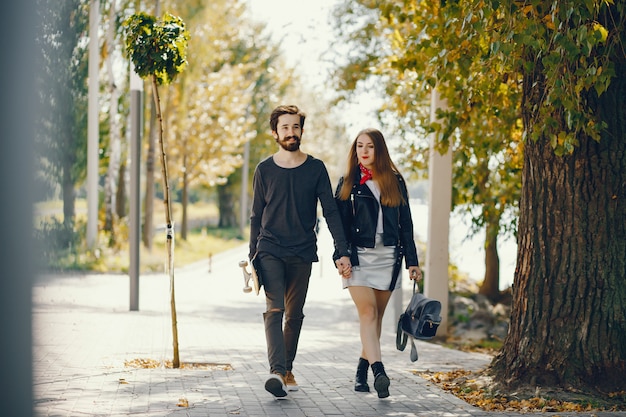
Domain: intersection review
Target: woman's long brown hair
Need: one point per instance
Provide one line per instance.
(384, 171)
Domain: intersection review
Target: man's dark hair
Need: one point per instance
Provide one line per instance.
(285, 109)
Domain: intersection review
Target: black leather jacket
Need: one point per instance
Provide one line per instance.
(360, 217)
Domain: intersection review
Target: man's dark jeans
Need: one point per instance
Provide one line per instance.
(286, 282)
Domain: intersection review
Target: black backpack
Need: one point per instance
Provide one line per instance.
(420, 320)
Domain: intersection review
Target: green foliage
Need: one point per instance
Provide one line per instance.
(156, 47)
(477, 54)
(61, 85)
(419, 47)
(571, 49)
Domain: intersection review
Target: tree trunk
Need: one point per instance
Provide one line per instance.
(120, 198)
(185, 198)
(568, 320)
(114, 132)
(148, 221)
(226, 205)
(491, 284)
(69, 197)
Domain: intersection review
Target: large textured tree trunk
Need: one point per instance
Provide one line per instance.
(568, 322)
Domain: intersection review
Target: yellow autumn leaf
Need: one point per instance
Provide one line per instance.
(603, 32)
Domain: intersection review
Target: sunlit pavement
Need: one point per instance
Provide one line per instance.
(85, 334)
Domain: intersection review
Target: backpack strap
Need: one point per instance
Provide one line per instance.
(413, 351)
(401, 337)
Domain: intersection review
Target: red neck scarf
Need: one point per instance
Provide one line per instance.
(367, 174)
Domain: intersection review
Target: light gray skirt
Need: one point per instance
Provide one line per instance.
(375, 267)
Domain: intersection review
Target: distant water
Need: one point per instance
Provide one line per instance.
(468, 253)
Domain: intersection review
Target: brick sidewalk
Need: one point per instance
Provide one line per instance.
(84, 333)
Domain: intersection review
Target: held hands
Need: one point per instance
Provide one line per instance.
(415, 273)
(344, 267)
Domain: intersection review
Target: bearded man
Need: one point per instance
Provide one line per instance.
(283, 244)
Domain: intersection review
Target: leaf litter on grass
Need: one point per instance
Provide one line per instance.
(476, 388)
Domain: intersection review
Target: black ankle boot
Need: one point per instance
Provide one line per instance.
(381, 380)
(360, 380)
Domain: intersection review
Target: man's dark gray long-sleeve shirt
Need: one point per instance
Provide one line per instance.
(284, 209)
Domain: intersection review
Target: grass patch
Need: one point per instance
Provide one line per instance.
(201, 243)
(198, 247)
(487, 346)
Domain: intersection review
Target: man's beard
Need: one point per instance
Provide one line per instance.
(291, 146)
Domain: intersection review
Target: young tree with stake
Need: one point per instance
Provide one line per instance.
(158, 50)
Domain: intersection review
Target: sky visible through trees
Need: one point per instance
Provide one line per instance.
(304, 31)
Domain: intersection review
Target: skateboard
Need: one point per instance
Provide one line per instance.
(247, 276)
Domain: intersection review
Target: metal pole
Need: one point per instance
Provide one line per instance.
(136, 124)
(92, 125)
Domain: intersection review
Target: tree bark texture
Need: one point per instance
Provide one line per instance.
(148, 222)
(185, 205)
(226, 205)
(568, 320)
(490, 287)
(120, 199)
(114, 151)
(69, 196)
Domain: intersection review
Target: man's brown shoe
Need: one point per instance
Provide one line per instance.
(290, 381)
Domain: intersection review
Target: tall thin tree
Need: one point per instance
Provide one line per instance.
(114, 128)
(158, 50)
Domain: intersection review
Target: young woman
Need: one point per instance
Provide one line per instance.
(374, 206)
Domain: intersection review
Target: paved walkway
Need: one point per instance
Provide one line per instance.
(84, 334)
